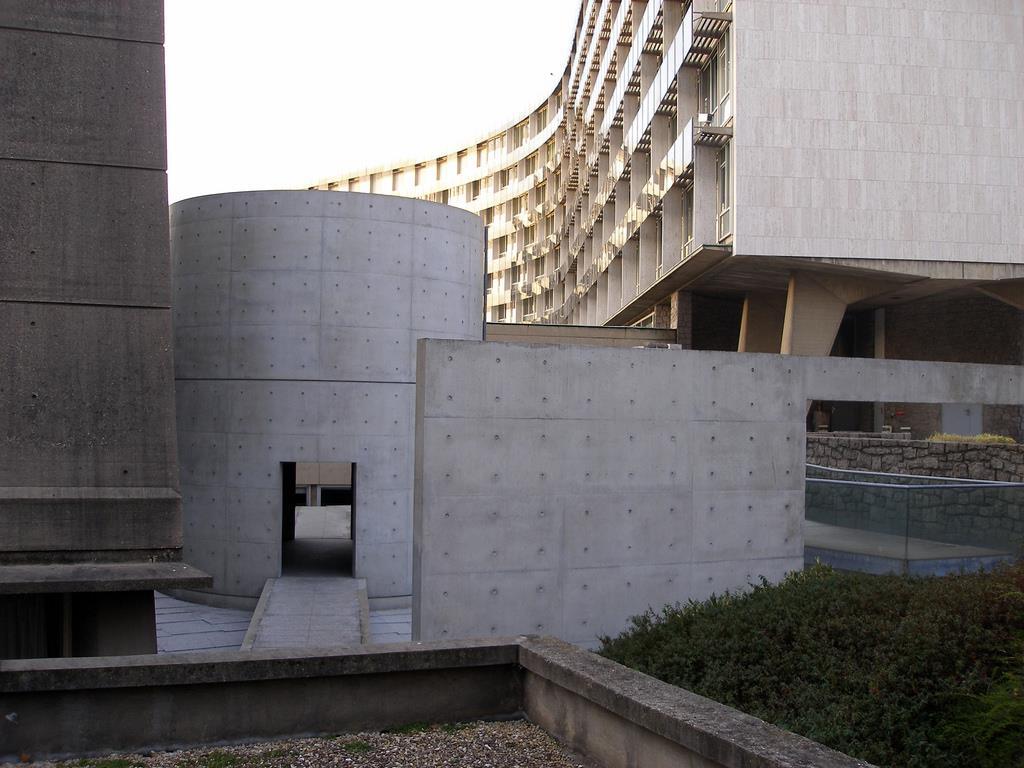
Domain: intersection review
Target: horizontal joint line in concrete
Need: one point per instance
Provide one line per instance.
(77, 303)
(25, 159)
(250, 379)
(63, 33)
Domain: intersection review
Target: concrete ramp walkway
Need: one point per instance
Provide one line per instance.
(299, 611)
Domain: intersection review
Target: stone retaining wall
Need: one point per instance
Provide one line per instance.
(918, 457)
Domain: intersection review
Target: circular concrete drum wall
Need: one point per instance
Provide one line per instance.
(296, 319)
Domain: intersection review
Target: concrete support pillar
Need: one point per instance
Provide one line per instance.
(640, 173)
(630, 269)
(764, 313)
(592, 306)
(815, 304)
(879, 351)
(661, 139)
(663, 315)
(587, 254)
(687, 94)
(622, 199)
(705, 196)
(649, 248)
(614, 287)
(672, 230)
(630, 105)
(682, 318)
(615, 138)
(672, 17)
(649, 63)
(602, 299)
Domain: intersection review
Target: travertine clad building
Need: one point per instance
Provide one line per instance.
(762, 175)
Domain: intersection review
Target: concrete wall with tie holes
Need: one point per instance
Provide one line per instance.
(561, 490)
(296, 316)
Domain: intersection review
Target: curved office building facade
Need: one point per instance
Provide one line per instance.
(802, 177)
(296, 316)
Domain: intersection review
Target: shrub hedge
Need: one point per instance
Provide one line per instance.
(984, 437)
(898, 671)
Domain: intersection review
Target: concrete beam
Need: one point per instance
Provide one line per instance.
(1009, 292)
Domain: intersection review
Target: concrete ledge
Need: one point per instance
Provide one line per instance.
(98, 577)
(42, 675)
(614, 715)
(95, 706)
(643, 707)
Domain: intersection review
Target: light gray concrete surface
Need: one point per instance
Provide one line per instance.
(182, 627)
(299, 611)
(296, 320)
(323, 522)
(391, 625)
(887, 136)
(561, 490)
(614, 715)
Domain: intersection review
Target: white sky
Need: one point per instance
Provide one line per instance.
(265, 94)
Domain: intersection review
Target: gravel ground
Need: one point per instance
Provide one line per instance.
(515, 744)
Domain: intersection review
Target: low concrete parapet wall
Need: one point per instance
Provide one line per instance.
(614, 715)
(70, 707)
(976, 461)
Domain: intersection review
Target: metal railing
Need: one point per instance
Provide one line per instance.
(881, 522)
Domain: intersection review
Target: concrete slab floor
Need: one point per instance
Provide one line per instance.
(182, 626)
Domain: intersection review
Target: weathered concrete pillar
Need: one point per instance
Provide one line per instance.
(815, 304)
(89, 491)
(614, 287)
(661, 139)
(663, 315)
(630, 269)
(682, 318)
(671, 228)
(764, 313)
(622, 199)
(705, 196)
(639, 173)
(650, 245)
(602, 299)
(648, 71)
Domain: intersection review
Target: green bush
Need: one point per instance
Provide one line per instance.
(984, 437)
(894, 670)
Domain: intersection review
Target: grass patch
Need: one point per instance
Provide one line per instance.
(357, 747)
(109, 762)
(946, 437)
(276, 753)
(899, 671)
(218, 759)
(411, 728)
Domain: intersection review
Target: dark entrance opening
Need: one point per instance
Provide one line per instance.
(318, 518)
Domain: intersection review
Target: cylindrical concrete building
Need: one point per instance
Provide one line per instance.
(296, 316)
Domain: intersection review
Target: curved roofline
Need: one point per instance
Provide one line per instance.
(352, 173)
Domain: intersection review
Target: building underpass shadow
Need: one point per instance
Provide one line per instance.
(317, 557)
